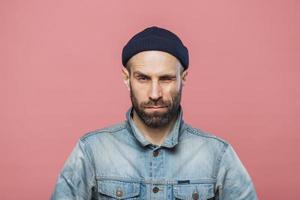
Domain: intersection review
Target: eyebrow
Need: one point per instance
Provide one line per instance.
(138, 73)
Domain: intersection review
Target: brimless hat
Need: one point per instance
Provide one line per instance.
(155, 38)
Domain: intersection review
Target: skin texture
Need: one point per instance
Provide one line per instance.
(154, 79)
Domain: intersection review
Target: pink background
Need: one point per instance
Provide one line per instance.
(60, 76)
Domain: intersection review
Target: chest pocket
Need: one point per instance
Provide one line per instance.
(194, 191)
(112, 189)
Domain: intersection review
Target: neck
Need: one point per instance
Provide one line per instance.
(155, 136)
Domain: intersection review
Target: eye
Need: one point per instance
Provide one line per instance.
(142, 78)
(166, 79)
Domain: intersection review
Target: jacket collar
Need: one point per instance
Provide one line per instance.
(170, 141)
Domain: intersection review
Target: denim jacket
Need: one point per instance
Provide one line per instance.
(117, 162)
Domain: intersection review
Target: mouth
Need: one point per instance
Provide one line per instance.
(156, 107)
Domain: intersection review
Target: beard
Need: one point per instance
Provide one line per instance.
(157, 119)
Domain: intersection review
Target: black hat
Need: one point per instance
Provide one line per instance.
(155, 38)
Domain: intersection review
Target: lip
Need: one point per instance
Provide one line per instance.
(156, 107)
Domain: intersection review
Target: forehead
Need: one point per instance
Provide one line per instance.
(154, 63)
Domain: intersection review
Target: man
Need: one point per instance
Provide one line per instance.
(153, 154)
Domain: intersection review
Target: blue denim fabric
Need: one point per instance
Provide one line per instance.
(119, 163)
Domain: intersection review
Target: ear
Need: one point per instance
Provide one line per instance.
(126, 79)
(183, 77)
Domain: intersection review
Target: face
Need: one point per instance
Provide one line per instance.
(155, 81)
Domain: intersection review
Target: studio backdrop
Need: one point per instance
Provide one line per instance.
(60, 77)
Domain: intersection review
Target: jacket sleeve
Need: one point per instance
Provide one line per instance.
(233, 180)
(77, 178)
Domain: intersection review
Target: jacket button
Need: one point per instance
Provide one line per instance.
(119, 193)
(155, 189)
(195, 195)
(155, 153)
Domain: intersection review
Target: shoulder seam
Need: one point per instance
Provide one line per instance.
(109, 129)
(201, 133)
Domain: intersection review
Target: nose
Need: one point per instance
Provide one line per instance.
(156, 92)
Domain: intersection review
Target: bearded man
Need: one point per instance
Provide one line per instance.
(153, 154)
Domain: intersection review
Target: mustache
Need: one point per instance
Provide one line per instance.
(159, 102)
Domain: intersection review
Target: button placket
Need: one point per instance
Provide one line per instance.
(157, 160)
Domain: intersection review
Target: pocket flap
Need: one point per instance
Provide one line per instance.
(118, 189)
(194, 191)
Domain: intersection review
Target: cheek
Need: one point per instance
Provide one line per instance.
(170, 92)
(139, 92)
